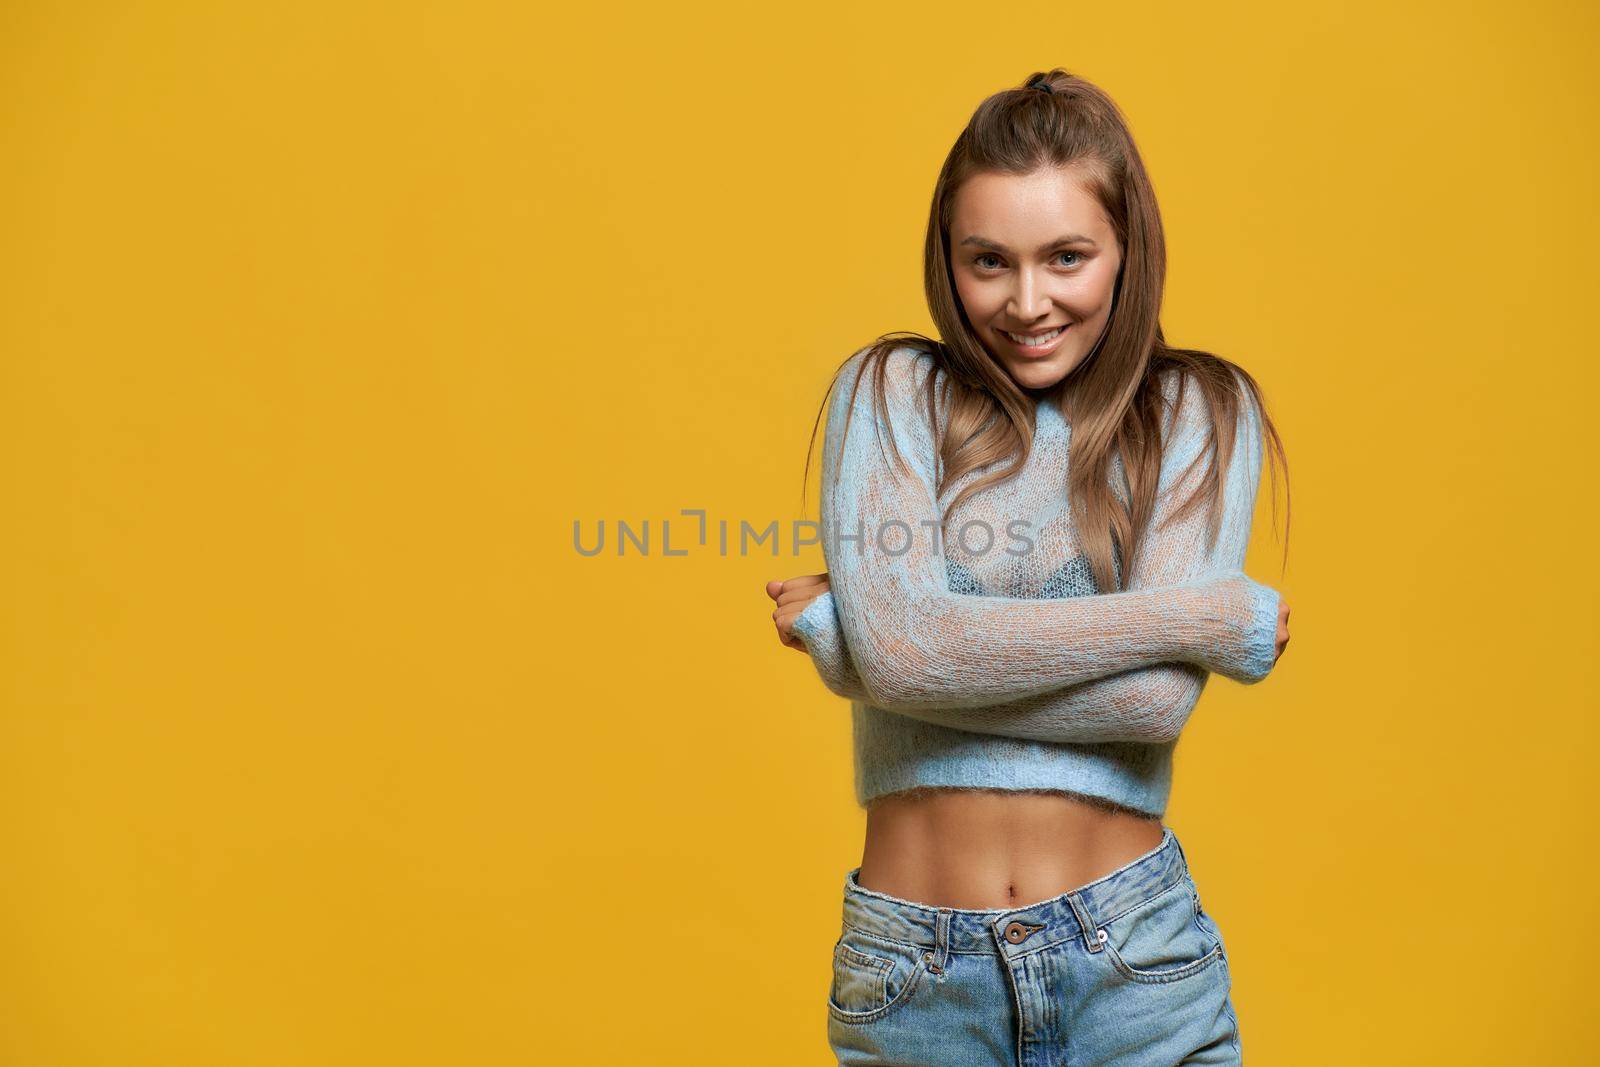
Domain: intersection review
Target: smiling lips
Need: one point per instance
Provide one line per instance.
(1037, 344)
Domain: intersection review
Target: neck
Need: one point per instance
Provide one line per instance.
(1049, 394)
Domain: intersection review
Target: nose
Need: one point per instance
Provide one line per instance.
(1029, 301)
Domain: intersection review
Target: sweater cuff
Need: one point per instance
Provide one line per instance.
(816, 628)
(1261, 642)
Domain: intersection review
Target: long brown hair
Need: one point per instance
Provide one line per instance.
(1113, 400)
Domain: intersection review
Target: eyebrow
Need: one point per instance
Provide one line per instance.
(1065, 239)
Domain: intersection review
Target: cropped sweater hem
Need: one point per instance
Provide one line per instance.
(895, 754)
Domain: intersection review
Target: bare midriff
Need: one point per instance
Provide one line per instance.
(983, 848)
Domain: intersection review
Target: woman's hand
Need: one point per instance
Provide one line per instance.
(1283, 628)
(792, 597)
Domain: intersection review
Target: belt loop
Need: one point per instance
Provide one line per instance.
(941, 942)
(1091, 933)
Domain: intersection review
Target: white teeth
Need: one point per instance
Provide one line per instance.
(1035, 341)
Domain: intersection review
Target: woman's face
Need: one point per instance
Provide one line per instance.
(1032, 254)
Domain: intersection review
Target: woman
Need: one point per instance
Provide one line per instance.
(1016, 695)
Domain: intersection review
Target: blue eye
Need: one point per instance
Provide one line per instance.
(978, 260)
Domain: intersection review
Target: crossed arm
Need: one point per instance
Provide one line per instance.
(1115, 667)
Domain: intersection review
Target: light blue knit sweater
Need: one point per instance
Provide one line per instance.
(1005, 668)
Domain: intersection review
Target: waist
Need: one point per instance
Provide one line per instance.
(983, 848)
(1068, 915)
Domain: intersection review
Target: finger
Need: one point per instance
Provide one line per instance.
(805, 592)
(774, 587)
(800, 598)
(804, 581)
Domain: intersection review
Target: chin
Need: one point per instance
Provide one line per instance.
(1031, 375)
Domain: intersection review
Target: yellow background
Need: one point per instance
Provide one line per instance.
(322, 323)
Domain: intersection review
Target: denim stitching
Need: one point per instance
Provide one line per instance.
(912, 983)
(1141, 903)
(900, 999)
(1184, 970)
(875, 962)
(1227, 994)
(868, 932)
(1147, 901)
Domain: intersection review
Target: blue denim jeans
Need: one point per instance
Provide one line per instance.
(1126, 970)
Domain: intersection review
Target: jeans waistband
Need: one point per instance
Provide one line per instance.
(1019, 931)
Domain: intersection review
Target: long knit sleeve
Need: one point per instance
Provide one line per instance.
(1149, 704)
(915, 644)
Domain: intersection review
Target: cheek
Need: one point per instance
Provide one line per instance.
(1099, 292)
(1089, 301)
(977, 300)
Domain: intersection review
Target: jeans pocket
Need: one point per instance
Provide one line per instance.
(872, 975)
(1162, 939)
